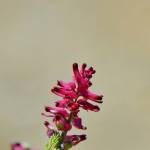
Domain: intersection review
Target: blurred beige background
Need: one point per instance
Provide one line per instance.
(39, 41)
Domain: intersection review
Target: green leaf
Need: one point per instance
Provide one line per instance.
(54, 142)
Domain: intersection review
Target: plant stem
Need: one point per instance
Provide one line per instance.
(69, 120)
(64, 133)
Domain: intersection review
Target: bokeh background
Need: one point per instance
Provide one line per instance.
(39, 41)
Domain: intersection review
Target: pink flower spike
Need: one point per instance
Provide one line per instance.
(76, 95)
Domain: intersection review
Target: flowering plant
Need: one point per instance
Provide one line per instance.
(75, 95)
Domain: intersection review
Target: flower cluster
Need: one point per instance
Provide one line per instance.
(74, 96)
(20, 146)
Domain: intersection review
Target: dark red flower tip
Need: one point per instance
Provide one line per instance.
(46, 123)
(57, 117)
(84, 66)
(57, 104)
(75, 66)
(47, 109)
(17, 144)
(55, 89)
(99, 97)
(89, 76)
(91, 68)
(94, 71)
(83, 137)
(100, 101)
(90, 83)
(58, 83)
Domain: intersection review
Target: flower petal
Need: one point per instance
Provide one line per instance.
(63, 103)
(83, 70)
(73, 106)
(57, 110)
(74, 139)
(77, 74)
(63, 92)
(50, 129)
(67, 86)
(83, 84)
(17, 146)
(77, 122)
(88, 106)
(94, 97)
(62, 124)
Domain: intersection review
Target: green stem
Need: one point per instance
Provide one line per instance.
(69, 121)
(64, 133)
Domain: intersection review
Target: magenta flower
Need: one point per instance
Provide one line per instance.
(17, 146)
(82, 79)
(20, 146)
(74, 96)
(74, 139)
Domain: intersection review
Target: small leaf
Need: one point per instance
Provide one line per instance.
(54, 142)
